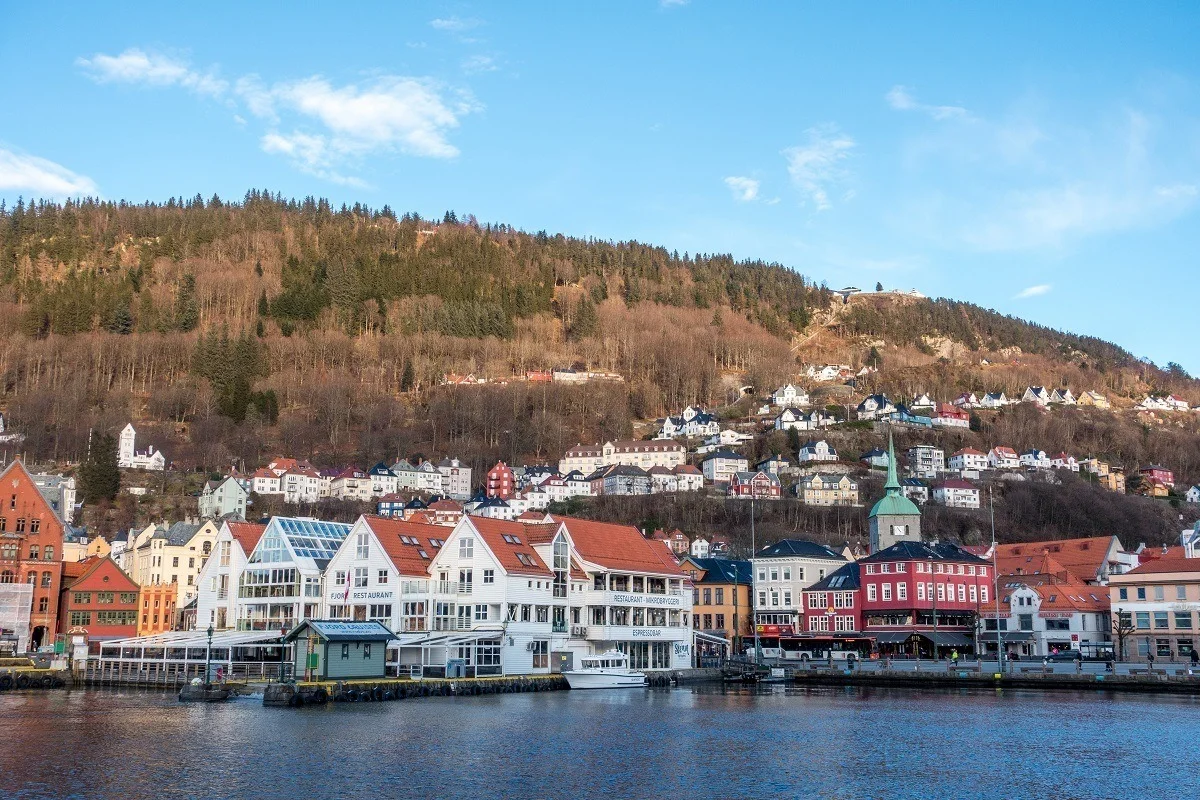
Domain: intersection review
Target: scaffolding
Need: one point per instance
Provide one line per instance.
(16, 604)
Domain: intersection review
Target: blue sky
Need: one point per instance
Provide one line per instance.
(1045, 163)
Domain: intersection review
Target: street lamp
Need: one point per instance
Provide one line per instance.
(208, 658)
(282, 636)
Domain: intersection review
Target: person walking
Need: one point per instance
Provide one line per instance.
(954, 656)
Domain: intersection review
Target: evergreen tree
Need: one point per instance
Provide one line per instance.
(263, 308)
(879, 286)
(585, 322)
(187, 309)
(258, 267)
(99, 476)
(408, 378)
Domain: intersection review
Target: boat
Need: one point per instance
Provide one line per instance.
(198, 692)
(608, 670)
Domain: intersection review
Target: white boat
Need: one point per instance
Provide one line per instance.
(608, 670)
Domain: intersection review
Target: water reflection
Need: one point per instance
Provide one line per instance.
(709, 741)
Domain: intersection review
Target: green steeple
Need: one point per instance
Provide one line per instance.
(894, 503)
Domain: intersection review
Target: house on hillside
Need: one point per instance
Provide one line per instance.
(950, 416)
(1193, 494)
(789, 396)
(827, 490)
(817, 450)
(222, 498)
(720, 467)
(1002, 457)
(1034, 459)
(956, 493)
(1094, 399)
(1064, 461)
(128, 456)
(795, 419)
(915, 489)
(1062, 397)
(994, 400)
(758, 485)
(966, 400)
(876, 458)
(875, 405)
(1158, 473)
(694, 422)
(1036, 394)
(922, 403)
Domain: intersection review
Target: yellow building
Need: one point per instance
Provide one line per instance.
(162, 555)
(722, 598)
(1094, 399)
(1158, 607)
(827, 490)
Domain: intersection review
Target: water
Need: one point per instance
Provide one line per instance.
(701, 742)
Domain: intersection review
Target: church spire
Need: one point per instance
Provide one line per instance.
(892, 486)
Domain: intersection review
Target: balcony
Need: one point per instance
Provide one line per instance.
(559, 627)
(411, 588)
(451, 624)
(451, 588)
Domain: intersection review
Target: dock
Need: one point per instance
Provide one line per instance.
(1024, 677)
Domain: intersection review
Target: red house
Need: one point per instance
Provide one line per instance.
(500, 482)
(31, 548)
(1160, 474)
(924, 599)
(99, 599)
(760, 485)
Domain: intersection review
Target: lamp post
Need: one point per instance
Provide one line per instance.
(282, 636)
(754, 616)
(933, 598)
(996, 582)
(208, 658)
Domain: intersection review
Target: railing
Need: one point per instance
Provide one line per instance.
(414, 587)
(559, 627)
(452, 587)
(222, 593)
(451, 624)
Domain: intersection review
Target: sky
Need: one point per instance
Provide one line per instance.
(1039, 159)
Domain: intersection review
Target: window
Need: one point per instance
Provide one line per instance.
(762, 574)
(962, 592)
(489, 576)
(887, 592)
(345, 651)
(983, 594)
(871, 592)
(367, 651)
(787, 597)
(363, 547)
(382, 577)
(541, 654)
(1142, 619)
(1025, 622)
(1123, 593)
(762, 599)
(787, 573)
(48, 552)
(82, 598)
(47, 579)
(921, 590)
(1160, 619)
(81, 618)
(902, 591)
(105, 597)
(1181, 593)
(1141, 593)
(43, 605)
(34, 552)
(720, 596)
(360, 577)
(542, 614)
(1058, 624)
(1183, 619)
(720, 618)
(481, 612)
(1159, 592)
(175, 562)
(774, 574)
(466, 547)
(941, 591)
(708, 597)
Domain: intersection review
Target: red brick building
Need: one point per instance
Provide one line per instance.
(500, 482)
(100, 599)
(31, 547)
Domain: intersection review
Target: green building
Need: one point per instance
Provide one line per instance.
(329, 649)
(894, 518)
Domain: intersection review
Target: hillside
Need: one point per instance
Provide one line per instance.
(229, 332)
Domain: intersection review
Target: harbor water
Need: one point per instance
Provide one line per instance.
(701, 741)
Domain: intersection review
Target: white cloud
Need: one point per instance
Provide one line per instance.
(477, 64)
(455, 24)
(137, 66)
(41, 177)
(308, 153)
(744, 189)
(816, 165)
(673, 3)
(1033, 291)
(901, 99)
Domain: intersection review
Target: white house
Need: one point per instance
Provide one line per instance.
(827, 372)
(1042, 613)
(1062, 397)
(1002, 457)
(876, 457)
(351, 484)
(875, 405)
(1193, 494)
(662, 480)
(303, 485)
(693, 422)
(690, 479)
(789, 396)
(494, 508)
(994, 400)
(968, 460)
(922, 403)
(1036, 394)
(456, 479)
(282, 581)
(265, 481)
(966, 400)
(719, 467)
(1034, 459)
(1064, 461)
(956, 493)
(926, 461)
(383, 480)
(129, 458)
(795, 419)
(814, 450)
(221, 575)
(224, 497)
(699, 548)
(726, 438)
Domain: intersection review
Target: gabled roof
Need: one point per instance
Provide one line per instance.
(1161, 565)
(619, 547)
(493, 533)
(802, 548)
(1086, 558)
(968, 451)
(178, 534)
(403, 542)
(955, 483)
(728, 455)
(246, 534)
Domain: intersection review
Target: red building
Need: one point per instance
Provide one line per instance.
(1159, 473)
(759, 485)
(100, 599)
(921, 599)
(31, 546)
(500, 482)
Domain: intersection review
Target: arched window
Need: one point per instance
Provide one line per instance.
(47, 579)
(49, 552)
(33, 552)
(31, 579)
(7, 576)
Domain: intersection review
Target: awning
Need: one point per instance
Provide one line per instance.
(1015, 636)
(947, 639)
(890, 637)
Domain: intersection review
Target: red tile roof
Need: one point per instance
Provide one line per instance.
(493, 531)
(1083, 558)
(246, 534)
(620, 547)
(406, 556)
(1169, 564)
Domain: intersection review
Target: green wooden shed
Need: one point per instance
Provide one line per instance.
(333, 649)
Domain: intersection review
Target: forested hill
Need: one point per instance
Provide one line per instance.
(226, 330)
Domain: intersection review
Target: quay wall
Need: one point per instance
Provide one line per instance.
(1142, 682)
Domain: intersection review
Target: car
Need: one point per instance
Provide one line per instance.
(1066, 655)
